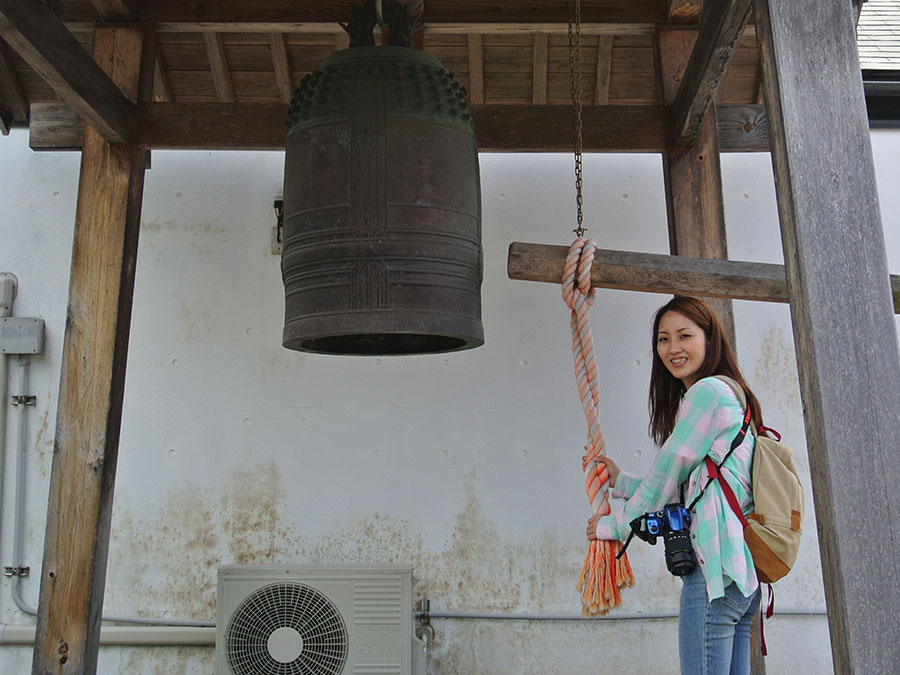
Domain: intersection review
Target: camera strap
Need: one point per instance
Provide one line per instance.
(636, 523)
(734, 444)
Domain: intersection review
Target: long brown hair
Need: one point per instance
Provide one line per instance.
(666, 390)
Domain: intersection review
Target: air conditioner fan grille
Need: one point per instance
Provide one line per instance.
(317, 642)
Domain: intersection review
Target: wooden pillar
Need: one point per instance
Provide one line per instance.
(694, 201)
(107, 221)
(692, 174)
(844, 331)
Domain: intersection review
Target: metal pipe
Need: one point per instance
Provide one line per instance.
(19, 524)
(8, 290)
(122, 635)
(19, 521)
(617, 616)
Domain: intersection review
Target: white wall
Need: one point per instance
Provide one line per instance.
(465, 466)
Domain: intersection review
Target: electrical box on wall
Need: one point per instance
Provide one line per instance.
(20, 335)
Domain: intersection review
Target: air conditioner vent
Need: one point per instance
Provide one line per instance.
(377, 602)
(286, 629)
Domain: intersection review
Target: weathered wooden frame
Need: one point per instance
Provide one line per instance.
(835, 276)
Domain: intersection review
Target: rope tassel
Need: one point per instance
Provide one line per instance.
(602, 575)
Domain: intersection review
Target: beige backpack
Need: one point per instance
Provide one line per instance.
(772, 532)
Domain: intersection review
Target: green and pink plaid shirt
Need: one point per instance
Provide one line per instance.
(708, 419)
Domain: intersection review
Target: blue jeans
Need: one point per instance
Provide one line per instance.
(714, 636)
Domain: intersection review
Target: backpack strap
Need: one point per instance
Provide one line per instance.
(714, 473)
(714, 468)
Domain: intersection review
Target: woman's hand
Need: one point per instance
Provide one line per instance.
(592, 521)
(611, 467)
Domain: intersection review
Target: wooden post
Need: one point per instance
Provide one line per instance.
(107, 221)
(844, 331)
(694, 200)
(692, 174)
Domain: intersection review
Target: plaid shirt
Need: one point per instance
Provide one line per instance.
(708, 419)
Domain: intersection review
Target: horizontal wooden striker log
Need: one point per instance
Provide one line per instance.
(656, 273)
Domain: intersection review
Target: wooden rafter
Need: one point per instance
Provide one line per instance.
(38, 36)
(722, 27)
(657, 273)
(539, 69)
(160, 82)
(260, 126)
(475, 55)
(13, 104)
(282, 69)
(604, 68)
(218, 65)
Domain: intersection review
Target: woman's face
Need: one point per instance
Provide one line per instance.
(681, 345)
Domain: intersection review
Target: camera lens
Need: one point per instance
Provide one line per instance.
(679, 554)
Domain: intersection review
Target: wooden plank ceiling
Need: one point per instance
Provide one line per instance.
(512, 58)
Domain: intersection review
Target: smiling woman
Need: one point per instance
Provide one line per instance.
(681, 346)
(694, 415)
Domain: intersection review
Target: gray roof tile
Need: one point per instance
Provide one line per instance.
(878, 35)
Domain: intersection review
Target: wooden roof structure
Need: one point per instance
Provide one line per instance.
(242, 61)
(688, 79)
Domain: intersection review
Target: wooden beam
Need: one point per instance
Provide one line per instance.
(115, 9)
(282, 69)
(511, 128)
(193, 15)
(659, 273)
(417, 13)
(539, 70)
(55, 126)
(218, 65)
(604, 67)
(92, 377)
(654, 273)
(844, 333)
(13, 104)
(723, 24)
(476, 70)
(160, 82)
(43, 41)
(692, 175)
(260, 126)
(742, 126)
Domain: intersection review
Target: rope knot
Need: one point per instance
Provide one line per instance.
(576, 283)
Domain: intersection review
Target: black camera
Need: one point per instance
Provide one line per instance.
(672, 523)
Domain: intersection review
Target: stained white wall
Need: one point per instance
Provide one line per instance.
(465, 466)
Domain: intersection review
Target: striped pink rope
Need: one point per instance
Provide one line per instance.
(602, 575)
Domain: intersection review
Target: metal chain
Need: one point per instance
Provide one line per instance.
(574, 7)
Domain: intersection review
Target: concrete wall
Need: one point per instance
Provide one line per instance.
(464, 466)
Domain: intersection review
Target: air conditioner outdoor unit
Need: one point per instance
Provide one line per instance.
(316, 620)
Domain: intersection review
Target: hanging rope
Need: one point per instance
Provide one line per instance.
(602, 575)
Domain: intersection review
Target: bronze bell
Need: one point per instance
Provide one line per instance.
(382, 208)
